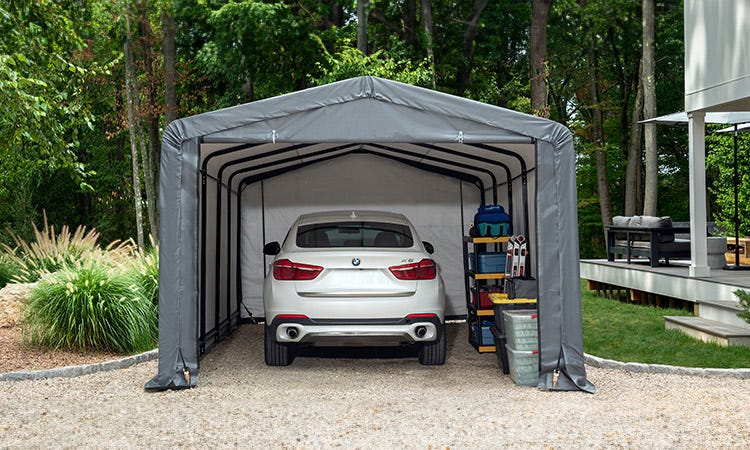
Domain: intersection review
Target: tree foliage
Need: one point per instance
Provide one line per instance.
(64, 144)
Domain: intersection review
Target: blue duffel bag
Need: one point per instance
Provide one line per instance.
(491, 220)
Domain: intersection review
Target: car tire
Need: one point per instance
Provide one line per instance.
(433, 353)
(277, 353)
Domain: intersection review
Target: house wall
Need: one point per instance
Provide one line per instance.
(717, 55)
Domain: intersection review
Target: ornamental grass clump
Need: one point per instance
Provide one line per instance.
(50, 251)
(90, 307)
(145, 275)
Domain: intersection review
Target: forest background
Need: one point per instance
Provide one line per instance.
(87, 87)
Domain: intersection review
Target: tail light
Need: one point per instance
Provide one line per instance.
(423, 270)
(421, 316)
(284, 269)
(292, 316)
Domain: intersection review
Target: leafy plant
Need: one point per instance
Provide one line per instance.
(744, 301)
(89, 307)
(7, 269)
(350, 62)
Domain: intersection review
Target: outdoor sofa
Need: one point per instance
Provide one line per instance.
(646, 236)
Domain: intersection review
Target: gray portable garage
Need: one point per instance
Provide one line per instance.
(236, 178)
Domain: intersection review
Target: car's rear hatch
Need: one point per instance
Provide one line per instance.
(357, 273)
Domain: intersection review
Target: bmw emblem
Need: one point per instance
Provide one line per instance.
(355, 261)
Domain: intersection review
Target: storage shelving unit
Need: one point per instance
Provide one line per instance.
(473, 281)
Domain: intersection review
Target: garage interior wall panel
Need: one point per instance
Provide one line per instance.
(253, 264)
(431, 201)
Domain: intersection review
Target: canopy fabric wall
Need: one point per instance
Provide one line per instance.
(217, 166)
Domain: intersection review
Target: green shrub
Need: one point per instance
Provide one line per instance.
(744, 301)
(8, 270)
(90, 307)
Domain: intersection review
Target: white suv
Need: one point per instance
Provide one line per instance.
(353, 278)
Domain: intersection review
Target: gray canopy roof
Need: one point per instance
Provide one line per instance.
(209, 159)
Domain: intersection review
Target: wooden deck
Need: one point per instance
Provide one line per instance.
(711, 299)
(668, 281)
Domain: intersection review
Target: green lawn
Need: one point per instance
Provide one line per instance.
(633, 333)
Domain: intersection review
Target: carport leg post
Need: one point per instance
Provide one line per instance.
(697, 159)
(525, 194)
(238, 253)
(229, 255)
(202, 280)
(217, 262)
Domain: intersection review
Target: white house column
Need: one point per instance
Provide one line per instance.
(697, 156)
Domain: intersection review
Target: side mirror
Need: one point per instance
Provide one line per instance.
(272, 248)
(428, 247)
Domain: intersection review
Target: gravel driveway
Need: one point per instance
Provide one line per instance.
(371, 403)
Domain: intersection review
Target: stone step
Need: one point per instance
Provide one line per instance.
(709, 330)
(722, 311)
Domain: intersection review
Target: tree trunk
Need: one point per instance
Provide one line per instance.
(337, 15)
(538, 56)
(410, 35)
(632, 180)
(150, 149)
(428, 31)
(130, 88)
(169, 31)
(362, 25)
(649, 111)
(470, 34)
(597, 137)
(147, 176)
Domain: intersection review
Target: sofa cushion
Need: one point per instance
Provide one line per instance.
(659, 222)
(621, 221)
(655, 222)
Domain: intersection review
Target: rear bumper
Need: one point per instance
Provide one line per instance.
(356, 331)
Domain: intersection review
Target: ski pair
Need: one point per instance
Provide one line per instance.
(516, 253)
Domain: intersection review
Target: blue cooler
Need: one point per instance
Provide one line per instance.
(490, 262)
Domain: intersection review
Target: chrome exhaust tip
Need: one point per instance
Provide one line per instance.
(421, 331)
(292, 332)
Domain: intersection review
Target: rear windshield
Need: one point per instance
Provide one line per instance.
(354, 234)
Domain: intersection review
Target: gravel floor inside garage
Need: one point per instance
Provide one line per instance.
(335, 400)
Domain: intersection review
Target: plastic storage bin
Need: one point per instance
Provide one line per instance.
(502, 357)
(524, 366)
(521, 329)
(483, 333)
(487, 262)
(485, 301)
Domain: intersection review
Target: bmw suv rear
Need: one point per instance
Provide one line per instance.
(353, 278)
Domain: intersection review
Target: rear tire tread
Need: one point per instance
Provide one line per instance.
(433, 353)
(277, 353)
